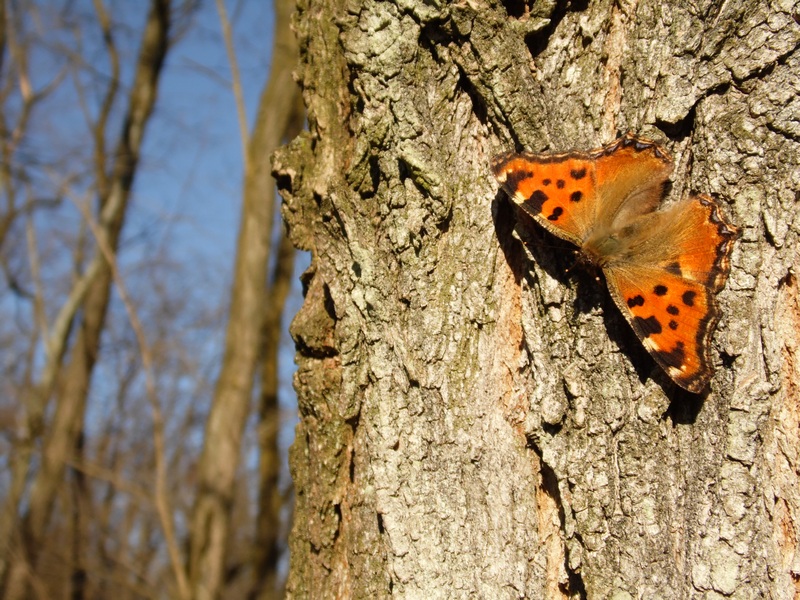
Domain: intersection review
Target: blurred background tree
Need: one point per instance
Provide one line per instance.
(134, 135)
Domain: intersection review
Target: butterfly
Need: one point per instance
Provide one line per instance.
(663, 267)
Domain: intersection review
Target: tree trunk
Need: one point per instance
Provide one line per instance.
(232, 402)
(63, 438)
(271, 531)
(474, 423)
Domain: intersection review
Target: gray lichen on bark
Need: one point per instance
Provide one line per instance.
(474, 423)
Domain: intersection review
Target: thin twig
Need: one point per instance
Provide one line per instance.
(161, 501)
(236, 81)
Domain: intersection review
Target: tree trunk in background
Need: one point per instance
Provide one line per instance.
(219, 463)
(474, 424)
(270, 537)
(271, 529)
(62, 440)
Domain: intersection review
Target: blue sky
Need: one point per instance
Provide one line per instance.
(178, 246)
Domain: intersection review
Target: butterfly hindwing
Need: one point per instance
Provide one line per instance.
(668, 292)
(673, 316)
(700, 241)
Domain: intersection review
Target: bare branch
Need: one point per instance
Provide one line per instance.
(162, 502)
(236, 80)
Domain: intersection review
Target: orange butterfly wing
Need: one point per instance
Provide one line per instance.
(558, 191)
(630, 175)
(662, 268)
(669, 298)
(571, 193)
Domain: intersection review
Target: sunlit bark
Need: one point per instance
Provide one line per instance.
(475, 423)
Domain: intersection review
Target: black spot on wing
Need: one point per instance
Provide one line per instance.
(674, 268)
(560, 183)
(535, 202)
(557, 212)
(576, 196)
(637, 300)
(546, 182)
(673, 325)
(673, 310)
(660, 290)
(578, 173)
(649, 326)
(514, 178)
(688, 297)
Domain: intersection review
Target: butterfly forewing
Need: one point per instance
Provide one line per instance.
(630, 177)
(552, 189)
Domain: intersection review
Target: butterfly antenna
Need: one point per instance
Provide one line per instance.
(575, 260)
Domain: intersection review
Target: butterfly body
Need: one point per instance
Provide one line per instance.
(663, 267)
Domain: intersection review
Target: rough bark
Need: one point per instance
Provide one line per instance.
(475, 423)
(63, 436)
(211, 516)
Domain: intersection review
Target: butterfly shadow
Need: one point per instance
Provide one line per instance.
(554, 255)
(560, 260)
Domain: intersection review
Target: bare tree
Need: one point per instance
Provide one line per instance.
(269, 544)
(63, 438)
(475, 423)
(110, 353)
(250, 336)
